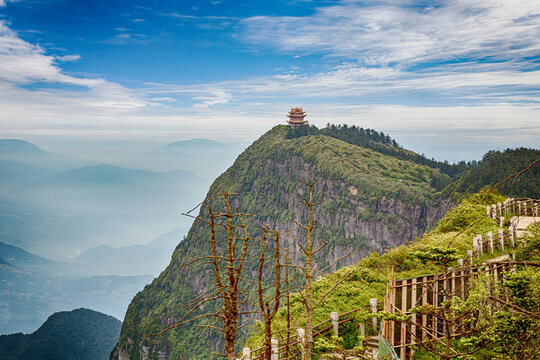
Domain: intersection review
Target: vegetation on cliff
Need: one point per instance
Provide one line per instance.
(371, 201)
(368, 278)
(375, 196)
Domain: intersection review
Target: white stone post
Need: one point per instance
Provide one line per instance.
(511, 234)
(479, 238)
(535, 209)
(493, 211)
(501, 221)
(488, 211)
(362, 333)
(519, 208)
(301, 336)
(490, 239)
(246, 353)
(501, 240)
(373, 306)
(274, 354)
(460, 262)
(334, 317)
(499, 209)
(469, 254)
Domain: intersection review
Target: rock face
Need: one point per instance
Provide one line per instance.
(370, 202)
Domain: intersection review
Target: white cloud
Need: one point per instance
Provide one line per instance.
(69, 57)
(387, 32)
(4, 2)
(22, 63)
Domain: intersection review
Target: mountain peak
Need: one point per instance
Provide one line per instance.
(10, 146)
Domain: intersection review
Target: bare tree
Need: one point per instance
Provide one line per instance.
(227, 261)
(309, 270)
(269, 307)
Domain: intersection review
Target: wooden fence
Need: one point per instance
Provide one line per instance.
(501, 241)
(405, 294)
(289, 346)
(511, 206)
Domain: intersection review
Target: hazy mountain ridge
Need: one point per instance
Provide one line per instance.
(32, 287)
(28, 153)
(81, 334)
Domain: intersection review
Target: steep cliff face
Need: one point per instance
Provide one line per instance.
(370, 202)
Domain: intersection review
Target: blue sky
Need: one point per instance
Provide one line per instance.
(451, 79)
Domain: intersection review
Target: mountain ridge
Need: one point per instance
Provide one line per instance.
(80, 334)
(373, 202)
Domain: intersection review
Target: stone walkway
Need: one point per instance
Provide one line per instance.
(523, 222)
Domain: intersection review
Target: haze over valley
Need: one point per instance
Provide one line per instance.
(79, 233)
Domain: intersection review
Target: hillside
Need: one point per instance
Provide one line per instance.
(80, 334)
(496, 166)
(371, 202)
(369, 278)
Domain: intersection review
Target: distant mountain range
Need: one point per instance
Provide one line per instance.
(81, 334)
(32, 288)
(189, 147)
(25, 152)
(96, 205)
(205, 157)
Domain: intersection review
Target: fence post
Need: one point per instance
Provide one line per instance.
(535, 209)
(511, 234)
(373, 306)
(301, 336)
(469, 254)
(501, 240)
(490, 239)
(362, 333)
(519, 208)
(493, 211)
(501, 221)
(334, 317)
(274, 343)
(246, 353)
(499, 209)
(480, 245)
(488, 211)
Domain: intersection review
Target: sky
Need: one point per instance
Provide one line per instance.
(448, 78)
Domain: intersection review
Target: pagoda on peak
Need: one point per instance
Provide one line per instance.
(296, 118)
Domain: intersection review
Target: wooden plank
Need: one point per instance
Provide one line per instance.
(424, 301)
(403, 334)
(413, 303)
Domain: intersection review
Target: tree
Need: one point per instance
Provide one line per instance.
(269, 307)
(227, 263)
(308, 269)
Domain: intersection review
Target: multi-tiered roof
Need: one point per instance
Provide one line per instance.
(296, 117)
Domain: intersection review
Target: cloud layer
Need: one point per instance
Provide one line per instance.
(390, 32)
(420, 72)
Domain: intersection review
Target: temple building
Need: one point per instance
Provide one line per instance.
(296, 118)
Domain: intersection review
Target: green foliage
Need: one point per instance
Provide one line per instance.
(495, 167)
(512, 333)
(438, 254)
(529, 248)
(382, 143)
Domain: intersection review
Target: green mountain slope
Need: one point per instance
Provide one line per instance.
(496, 166)
(80, 334)
(371, 201)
